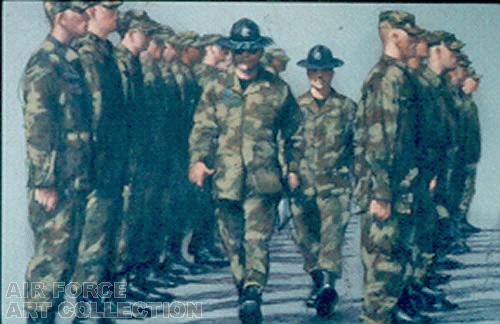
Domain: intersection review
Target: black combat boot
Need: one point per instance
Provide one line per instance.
(326, 295)
(249, 309)
(313, 295)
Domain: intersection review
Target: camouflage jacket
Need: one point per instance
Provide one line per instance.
(328, 149)
(385, 139)
(108, 122)
(235, 132)
(432, 136)
(134, 112)
(57, 119)
(205, 73)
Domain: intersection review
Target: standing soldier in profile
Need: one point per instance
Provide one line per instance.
(57, 120)
(98, 245)
(135, 28)
(202, 245)
(320, 206)
(386, 168)
(472, 148)
(235, 138)
(275, 60)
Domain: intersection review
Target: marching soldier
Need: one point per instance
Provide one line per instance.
(234, 138)
(386, 168)
(96, 253)
(57, 120)
(275, 60)
(320, 206)
(135, 29)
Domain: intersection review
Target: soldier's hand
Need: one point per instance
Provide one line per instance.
(433, 183)
(46, 197)
(198, 172)
(381, 209)
(293, 180)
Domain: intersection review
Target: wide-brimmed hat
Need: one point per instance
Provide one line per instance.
(320, 57)
(245, 35)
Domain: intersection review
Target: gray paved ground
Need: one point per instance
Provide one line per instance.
(476, 289)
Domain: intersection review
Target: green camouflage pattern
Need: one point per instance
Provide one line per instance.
(235, 132)
(245, 228)
(56, 237)
(104, 206)
(320, 206)
(386, 169)
(327, 144)
(57, 119)
(320, 223)
(205, 73)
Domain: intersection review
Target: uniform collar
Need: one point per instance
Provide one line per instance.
(262, 80)
(332, 102)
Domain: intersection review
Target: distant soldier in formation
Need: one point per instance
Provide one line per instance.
(58, 127)
(320, 206)
(275, 60)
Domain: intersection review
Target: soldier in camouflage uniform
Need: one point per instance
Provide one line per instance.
(386, 168)
(202, 244)
(472, 147)
(57, 120)
(104, 208)
(234, 138)
(135, 28)
(158, 156)
(320, 206)
(275, 60)
(432, 140)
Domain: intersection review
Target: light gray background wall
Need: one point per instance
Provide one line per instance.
(348, 29)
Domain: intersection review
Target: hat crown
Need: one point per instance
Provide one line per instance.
(319, 54)
(245, 30)
(397, 17)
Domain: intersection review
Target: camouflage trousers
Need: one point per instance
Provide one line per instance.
(98, 245)
(386, 255)
(469, 189)
(320, 224)
(56, 237)
(246, 228)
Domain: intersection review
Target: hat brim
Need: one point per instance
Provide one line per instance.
(335, 63)
(262, 42)
(415, 31)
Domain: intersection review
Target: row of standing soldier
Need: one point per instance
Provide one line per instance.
(101, 140)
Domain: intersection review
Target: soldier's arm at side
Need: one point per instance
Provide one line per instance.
(350, 108)
(203, 137)
(381, 120)
(41, 129)
(292, 131)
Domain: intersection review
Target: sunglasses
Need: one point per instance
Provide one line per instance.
(250, 51)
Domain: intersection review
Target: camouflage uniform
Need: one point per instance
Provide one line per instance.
(235, 133)
(320, 206)
(132, 238)
(57, 118)
(471, 154)
(270, 55)
(205, 73)
(386, 168)
(433, 141)
(104, 208)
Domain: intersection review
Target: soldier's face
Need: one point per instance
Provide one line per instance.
(169, 53)
(278, 65)
(457, 75)
(140, 39)
(407, 44)
(74, 22)
(194, 55)
(106, 17)
(422, 50)
(448, 58)
(154, 50)
(470, 85)
(247, 60)
(320, 79)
